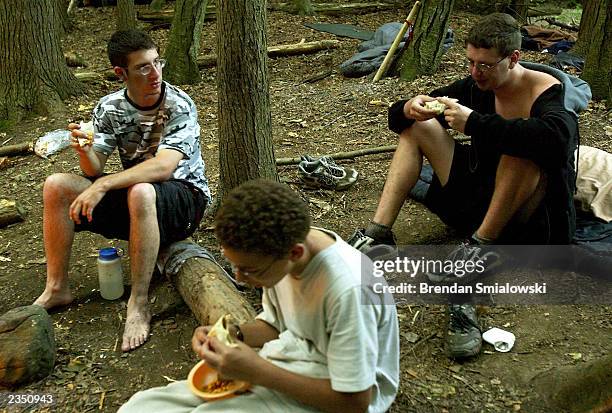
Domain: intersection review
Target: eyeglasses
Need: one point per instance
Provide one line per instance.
(256, 274)
(146, 69)
(485, 67)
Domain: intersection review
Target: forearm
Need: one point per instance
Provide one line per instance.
(257, 333)
(314, 392)
(144, 172)
(90, 163)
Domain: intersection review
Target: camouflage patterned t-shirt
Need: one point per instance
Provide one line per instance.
(139, 132)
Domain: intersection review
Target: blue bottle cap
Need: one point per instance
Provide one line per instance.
(108, 254)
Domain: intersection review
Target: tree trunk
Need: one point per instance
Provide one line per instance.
(594, 40)
(303, 7)
(245, 122)
(10, 212)
(63, 20)
(126, 15)
(184, 42)
(33, 74)
(423, 53)
(157, 5)
(209, 294)
(519, 9)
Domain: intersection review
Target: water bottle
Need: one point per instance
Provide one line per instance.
(109, 274)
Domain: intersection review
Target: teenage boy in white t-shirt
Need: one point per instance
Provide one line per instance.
(328, 342)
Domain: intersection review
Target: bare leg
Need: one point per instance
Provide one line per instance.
(143, 247)
(58, 233)
(427, 139)
(518, 190)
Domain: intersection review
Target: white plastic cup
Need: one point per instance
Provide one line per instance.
(110, 275)
(502, 340)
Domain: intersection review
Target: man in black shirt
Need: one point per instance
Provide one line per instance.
(514, 183)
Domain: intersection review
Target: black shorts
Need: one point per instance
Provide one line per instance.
(463, 202)
(180, 207)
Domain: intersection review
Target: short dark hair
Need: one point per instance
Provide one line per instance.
(496, 30)
(262, 217)
(124, 42)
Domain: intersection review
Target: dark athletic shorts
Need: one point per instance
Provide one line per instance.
(180, 207)
(463, 202)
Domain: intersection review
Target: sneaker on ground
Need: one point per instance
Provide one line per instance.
(464, 336)
(373, 248)
(325, 173)
(483, 257)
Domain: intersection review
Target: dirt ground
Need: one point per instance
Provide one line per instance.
(331, 115)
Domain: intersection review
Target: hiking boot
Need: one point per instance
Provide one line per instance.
(483, 261)
(325, 173)
(373, 248)
(464, 336)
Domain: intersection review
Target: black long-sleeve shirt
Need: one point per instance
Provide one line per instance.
(548, 138)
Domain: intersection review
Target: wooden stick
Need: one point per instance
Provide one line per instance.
(409, 21)
(17, 149)
(10, 212)
(341, 155)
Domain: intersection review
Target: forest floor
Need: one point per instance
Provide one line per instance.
(332, 115)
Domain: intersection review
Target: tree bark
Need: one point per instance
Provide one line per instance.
(594, 40)
(209, 294)
(245, 122)
(303, 7)
(17, 149)
(10, 212)
(184, 42)
(422, 55)
(34, 77)
(126, 15)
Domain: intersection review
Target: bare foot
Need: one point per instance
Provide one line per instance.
(49, 298)
(136, 328)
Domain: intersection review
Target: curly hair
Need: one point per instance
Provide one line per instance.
(496, 30)
(124, 42)
(262, 217)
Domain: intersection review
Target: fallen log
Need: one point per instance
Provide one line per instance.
(17, 149)
(331, 9)
(281, 50)
(107, 74)
(301, 48)
(562, 25)
(341, 155)
(10, 212)
(203, 284)
(210, 60)
(166, 16)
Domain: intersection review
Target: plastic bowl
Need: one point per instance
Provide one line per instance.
(201, 375)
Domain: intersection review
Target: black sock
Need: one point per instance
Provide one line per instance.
(379, 232)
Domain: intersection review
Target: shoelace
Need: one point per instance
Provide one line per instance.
(459, 321)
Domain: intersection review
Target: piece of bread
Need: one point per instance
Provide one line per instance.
(436, 106)
(221, 332)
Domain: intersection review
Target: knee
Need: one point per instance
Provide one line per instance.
(522, 166)
(57, 185)
(141, 198)
(428, 130)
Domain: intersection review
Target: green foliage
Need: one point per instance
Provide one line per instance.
(570, 16)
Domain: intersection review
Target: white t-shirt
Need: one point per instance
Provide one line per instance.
(330, 329)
